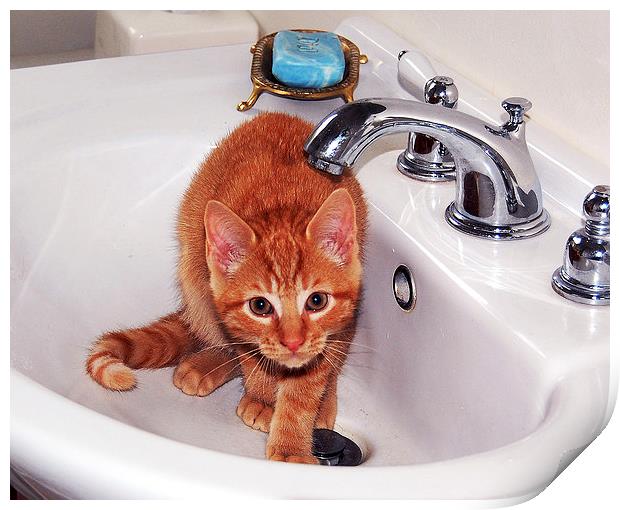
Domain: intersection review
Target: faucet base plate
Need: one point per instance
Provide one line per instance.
(577, 292)
(475, 228)
(425, 171)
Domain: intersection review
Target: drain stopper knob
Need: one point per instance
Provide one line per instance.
(328, 445)
(333, 449)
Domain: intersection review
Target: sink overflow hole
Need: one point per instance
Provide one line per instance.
(404, 288)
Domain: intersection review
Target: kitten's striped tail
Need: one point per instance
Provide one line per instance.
(116, 353)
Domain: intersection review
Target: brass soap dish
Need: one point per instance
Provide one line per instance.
(263, 80)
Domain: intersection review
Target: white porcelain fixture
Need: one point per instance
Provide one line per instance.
(486, 390)
(119, 33)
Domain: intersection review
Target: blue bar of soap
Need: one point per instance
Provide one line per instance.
(307, 59)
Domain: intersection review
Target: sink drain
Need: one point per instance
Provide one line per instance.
(333, 449)
(404, 288)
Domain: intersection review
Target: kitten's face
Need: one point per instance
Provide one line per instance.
(285, 293)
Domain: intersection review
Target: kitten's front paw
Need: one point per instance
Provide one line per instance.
(326, 422)
(298, 459)
(255, 414)
(278, 454)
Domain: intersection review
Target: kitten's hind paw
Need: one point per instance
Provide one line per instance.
(255, 414)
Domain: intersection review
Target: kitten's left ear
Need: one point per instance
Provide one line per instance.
(229, 238)
(333, 227)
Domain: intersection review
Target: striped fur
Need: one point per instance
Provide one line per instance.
(116, 353)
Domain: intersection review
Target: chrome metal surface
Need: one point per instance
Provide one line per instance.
(441, 90)
(516, 108)
(333, 449)
(504, 232)
(584, 275)
(596, 211)
(404, 288)
(497, 188)
(425, 158)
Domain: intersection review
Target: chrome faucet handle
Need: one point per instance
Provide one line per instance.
(516, 108)
(425, 158)
(414, 70)
(596, 211)
(584, 275)
(442, 90)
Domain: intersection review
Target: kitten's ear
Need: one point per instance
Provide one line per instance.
(333, 227)
(229, 238)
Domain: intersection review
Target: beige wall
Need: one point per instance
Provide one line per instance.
(38, 32)
(557, 59)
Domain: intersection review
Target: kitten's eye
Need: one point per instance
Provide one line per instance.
(317, 301)
(260, 306)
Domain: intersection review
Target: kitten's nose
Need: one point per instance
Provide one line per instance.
(293, 343)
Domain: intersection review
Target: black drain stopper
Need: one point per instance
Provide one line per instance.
(333, 449)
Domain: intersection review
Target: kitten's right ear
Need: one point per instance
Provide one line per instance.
(229, 238)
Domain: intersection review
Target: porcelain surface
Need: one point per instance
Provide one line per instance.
(486, 390)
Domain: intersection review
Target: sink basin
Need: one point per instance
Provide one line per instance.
(487, 389)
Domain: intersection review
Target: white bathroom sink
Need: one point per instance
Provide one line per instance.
(487, 389)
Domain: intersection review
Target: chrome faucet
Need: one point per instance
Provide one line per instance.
(584, 275)
(498, 194)
(425, 158)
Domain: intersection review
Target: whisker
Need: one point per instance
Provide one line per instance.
(356, 329)
(333, 349)
(266, 373)
(224, 346)
(272, 367)
(357, 365)
(338, 353)
(253, 351)
(264, 378)
(270, 371)
(335, 357)
(353, 342)
(326, 358)
(231, 370)
(240, 362)
(354, 377)
(366, 353)
(253, 370)
(261, 372)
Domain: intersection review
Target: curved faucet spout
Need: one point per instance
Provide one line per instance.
(498, 194)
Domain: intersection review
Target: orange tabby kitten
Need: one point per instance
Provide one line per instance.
(270, 275)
